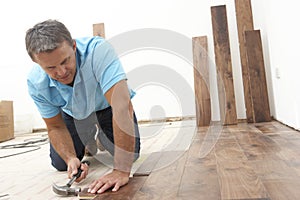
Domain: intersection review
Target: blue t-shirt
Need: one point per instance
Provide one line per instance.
(97, 69)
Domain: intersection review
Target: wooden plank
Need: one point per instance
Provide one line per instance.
(256, 146)
(200, 177)
(285, 159)
(164, 182)
(238, 180)
(201, 81)
(126, 192)
(223, 65)
(148, 165)
(244, 21)
(264, 153)
(283, 189)
(98, 30)
(258, 83)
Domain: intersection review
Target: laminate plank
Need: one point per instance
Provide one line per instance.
(244, 21)
(257, 76)
(201, 81)
(266, 128)
(272, 169)
(164, 182)
(257, 146)
(238, 179)
(223, 65)
(200, 178)
(289, 142)
(148, 165)
(283, 189)
(264, 154)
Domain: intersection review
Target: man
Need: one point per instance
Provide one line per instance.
(80, 89)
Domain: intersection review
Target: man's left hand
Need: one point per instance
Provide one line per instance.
(114, 180)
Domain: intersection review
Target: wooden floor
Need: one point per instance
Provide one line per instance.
(178, 161)
(247, 161)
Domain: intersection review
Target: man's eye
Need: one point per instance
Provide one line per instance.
(68, 60)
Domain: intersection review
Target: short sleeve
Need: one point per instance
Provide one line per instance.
(107, 66)
(45, 108)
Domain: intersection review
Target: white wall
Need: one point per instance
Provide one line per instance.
(281, 40)
(184, 20)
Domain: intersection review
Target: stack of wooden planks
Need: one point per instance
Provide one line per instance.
(252, 63)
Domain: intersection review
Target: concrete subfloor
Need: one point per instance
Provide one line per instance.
(30, 175)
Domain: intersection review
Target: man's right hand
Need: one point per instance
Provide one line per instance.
(73, 165)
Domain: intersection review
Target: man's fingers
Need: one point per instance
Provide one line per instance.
(71, 171)
(84, 173)
(73, 164)
(116, 188)
(113, 180)
(105, 187)
(85, 170)
(94, 187)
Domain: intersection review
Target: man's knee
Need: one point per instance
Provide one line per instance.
(56, 161)
(60, 166)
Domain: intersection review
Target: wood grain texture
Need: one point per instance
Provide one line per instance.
(237, 178)
(244, 21)
(256, 145)
(283, 189)
(201, 81)
(257, 75)
(98, 30)
(165, 181)
(148, 165)
(200, 177)
(223, 65)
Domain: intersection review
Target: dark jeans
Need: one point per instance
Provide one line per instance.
(84, 130)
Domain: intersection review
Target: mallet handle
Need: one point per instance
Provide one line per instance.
(77, 175)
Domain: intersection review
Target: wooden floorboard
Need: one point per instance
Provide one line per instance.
(283, 189)
(248, 162)
(238, 180)
(200, 177)
(163, 183)
(148, 165)
(257, 161)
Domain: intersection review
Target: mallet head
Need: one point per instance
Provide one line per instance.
(65, 190)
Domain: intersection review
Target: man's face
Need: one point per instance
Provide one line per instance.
(60, 64)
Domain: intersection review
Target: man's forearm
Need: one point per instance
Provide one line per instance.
(62, 143)
(124, 147)
(123, 125)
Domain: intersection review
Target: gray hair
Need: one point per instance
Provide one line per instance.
(46, 36)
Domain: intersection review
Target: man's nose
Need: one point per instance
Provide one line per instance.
(61, 70)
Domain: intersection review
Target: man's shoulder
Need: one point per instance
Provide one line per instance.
(84, 44)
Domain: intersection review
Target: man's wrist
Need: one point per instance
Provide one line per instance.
(71, 159)
(121, 172)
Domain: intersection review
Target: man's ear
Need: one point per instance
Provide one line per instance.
(74, 45)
